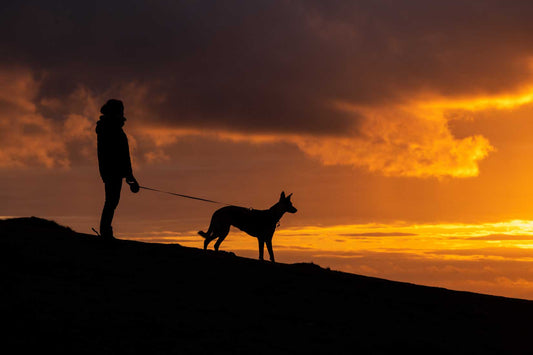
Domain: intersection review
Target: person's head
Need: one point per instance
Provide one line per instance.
(113, 108)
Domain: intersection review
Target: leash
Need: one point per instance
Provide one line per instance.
(192, 198)
(185, 196)
(179, 195)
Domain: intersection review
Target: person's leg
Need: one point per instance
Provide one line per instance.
(112, 197)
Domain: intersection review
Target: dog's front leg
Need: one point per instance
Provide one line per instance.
(270, 250)
(261, 248)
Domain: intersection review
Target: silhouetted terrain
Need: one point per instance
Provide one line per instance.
(68, 292)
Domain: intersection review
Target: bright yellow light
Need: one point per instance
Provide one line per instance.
(492, 258)
(399, 237)
(481, 103)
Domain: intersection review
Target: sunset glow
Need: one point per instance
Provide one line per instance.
(492, 256)
(402, 128)
(482, 103)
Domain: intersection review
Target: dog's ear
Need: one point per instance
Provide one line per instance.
(289, 197)
(282, 195)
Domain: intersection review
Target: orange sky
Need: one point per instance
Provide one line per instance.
(403, 130)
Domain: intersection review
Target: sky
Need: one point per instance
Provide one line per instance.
(401, 128)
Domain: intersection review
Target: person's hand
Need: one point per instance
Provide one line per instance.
(134, 185)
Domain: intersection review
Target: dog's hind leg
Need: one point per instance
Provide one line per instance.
(222, 234)
(208, 236)
(207, 241)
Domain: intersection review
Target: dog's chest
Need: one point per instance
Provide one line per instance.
(254, 222)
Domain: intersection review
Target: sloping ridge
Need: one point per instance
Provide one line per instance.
(71, 292)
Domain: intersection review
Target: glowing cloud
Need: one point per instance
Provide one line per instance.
(396, 141)
(402, 142)
(27, 138)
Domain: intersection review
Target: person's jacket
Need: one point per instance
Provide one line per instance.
(113, 149)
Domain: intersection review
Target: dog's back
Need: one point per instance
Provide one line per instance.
(253, 222)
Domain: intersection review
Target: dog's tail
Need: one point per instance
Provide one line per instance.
(209, 232)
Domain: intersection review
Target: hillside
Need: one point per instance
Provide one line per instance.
(69, 292)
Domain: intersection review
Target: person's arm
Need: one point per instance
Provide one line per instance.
(127, 160)
(130, 179)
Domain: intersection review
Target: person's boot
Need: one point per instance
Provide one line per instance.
(107, 233)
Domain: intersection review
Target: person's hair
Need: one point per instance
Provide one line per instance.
(113, 107)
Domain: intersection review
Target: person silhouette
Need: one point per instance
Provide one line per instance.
(114, 161)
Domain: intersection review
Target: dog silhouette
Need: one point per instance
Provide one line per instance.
(260, 224)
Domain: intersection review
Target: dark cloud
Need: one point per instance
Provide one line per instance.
(269, 66)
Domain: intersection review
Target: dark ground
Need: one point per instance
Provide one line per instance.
(69, 292)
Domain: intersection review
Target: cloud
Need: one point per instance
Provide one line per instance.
(27, 138)
(504, 237)
(378, 234)
(402, 142)
(281, 68)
